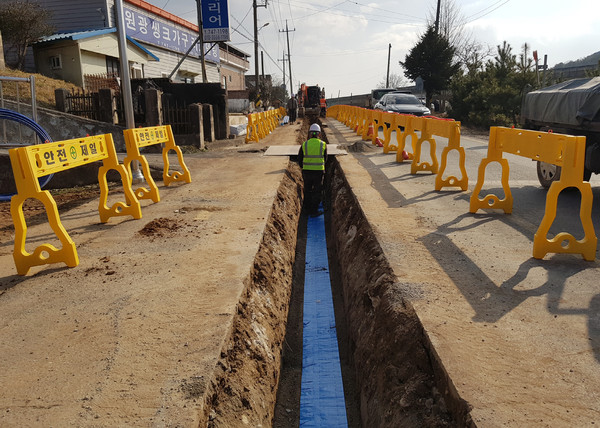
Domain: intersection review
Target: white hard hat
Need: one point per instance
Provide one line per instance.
(314, 128)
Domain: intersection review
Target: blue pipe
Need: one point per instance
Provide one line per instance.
(322, 401)
(41, 133)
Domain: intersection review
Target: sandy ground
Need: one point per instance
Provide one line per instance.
(132, 336)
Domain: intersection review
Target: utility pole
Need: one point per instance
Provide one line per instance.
(255, 7)
(437, 17)
(287, 33)
(387, 78)
(126, 83)
(283, 60)
(201, 40)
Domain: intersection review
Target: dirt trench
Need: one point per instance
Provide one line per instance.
(399, 379)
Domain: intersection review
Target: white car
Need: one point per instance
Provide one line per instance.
(402, 103)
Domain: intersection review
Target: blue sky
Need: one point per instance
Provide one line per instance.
(343, 45)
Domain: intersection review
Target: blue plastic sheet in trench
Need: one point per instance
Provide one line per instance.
(322, 393)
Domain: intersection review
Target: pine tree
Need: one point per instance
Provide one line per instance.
(432, 60)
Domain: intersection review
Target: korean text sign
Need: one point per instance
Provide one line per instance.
(215, 21)
(151, 30)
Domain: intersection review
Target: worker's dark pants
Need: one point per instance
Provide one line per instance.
(313, 188)
(292, 115)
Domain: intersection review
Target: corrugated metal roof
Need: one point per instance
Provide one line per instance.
(80, 35)
(76, 35)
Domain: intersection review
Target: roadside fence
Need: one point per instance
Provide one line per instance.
(262, 124)
(367, 122)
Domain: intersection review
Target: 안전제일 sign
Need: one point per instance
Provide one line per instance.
(215, 21)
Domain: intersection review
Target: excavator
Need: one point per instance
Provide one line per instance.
(311, 100)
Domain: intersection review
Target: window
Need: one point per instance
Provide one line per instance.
(112, 66)
(137, 72)
(55, 62)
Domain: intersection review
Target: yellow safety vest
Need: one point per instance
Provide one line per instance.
(314, 155)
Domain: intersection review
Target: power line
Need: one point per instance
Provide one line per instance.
(385, 10)
(344, 53)
(503, 2)
(363, 15)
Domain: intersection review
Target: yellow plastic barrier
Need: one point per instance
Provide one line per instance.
(565, 151)
(262, 124)
(144, 137)
(31, 162)
(360, 120)
(378, 121)
(335, 112)
(449, 129)
(405, 126)
(252, 128)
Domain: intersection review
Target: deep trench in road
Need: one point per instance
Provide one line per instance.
(392, 376)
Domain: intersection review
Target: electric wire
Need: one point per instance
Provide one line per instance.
(487, 13)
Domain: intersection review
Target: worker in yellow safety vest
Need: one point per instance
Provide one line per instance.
(312, 157)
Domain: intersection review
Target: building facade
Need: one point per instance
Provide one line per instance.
(158, 41)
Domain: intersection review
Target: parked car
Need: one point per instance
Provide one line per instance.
(397, 102)
(377, 94)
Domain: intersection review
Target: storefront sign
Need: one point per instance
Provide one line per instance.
(150, 30)
(215, 21)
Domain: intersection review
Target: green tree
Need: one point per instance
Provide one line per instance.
(432, 59)
(492, 95)
(593, 73)
(22, 22)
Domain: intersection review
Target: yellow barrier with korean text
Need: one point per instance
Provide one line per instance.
(31, 162)
(566, 151)
(137, 138)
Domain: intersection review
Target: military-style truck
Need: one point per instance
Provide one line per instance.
(571, 107)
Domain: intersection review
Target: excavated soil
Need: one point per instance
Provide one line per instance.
(392, 373)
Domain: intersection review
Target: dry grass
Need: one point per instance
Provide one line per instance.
(44, 87)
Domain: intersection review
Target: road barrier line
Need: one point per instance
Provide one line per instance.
(566, 151)
(262, 124)
(143, 137)
(360, 119)
(322, 402)
(31, 162)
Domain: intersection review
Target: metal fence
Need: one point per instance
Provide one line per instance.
(14, 94)
(83, 104)
(177, 115)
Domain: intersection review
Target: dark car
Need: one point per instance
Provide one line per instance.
(402, 103)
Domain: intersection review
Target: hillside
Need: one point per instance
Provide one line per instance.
(587, 61)
(44, 87)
